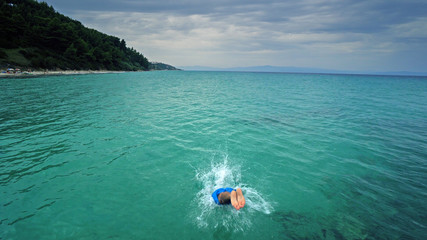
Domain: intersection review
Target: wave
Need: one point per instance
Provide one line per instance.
(209, 215)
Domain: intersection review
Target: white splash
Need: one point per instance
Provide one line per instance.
(210, 215)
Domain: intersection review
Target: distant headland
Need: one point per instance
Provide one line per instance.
(39, 39)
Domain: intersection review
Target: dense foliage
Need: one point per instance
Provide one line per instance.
(35, 35)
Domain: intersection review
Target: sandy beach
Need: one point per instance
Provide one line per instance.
(53, 73)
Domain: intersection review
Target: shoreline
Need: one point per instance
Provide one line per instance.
(54, 73)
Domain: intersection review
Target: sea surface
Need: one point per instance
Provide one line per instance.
(138, 155)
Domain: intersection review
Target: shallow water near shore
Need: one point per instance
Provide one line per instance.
(137, 156)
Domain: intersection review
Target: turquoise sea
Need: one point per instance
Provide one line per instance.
(137, 156)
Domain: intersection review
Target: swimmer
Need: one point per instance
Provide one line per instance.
(229, 195)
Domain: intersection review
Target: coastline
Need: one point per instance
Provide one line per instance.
(54, 73)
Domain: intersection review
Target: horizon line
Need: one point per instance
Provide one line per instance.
(308, 70)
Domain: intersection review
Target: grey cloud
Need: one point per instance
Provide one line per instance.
(262, 32)
(336, 16)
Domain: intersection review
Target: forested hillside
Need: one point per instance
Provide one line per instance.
(34, 35)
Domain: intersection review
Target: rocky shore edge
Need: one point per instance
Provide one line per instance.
(52, 73)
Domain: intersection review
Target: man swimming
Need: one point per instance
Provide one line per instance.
(229, 195)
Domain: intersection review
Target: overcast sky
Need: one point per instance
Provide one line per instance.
(359, 35)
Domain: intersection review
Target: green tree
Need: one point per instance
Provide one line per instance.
(51, 40)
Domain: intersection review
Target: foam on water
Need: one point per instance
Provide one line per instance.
(209, 215)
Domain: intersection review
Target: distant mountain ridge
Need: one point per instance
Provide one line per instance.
(284, 69)
(35, 36)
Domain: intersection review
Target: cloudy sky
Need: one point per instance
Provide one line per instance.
(355, 35)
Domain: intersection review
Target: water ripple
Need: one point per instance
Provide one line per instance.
(318, 156)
